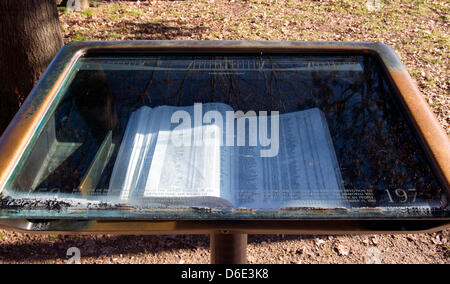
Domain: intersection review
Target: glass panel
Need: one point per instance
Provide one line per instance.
(225, 135)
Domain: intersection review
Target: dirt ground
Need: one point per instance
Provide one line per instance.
(186, 249)
(418, 30)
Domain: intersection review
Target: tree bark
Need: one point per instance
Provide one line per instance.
(30, 37)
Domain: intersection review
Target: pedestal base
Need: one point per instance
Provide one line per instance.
(228, 248)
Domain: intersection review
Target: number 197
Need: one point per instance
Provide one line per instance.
(402, 195)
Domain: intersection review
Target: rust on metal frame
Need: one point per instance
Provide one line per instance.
(18, 134)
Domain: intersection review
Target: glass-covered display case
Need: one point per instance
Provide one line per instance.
(192, 136)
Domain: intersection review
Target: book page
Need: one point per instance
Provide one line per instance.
(131, 159)
(198, 169)
(151, 164)
(303, 174)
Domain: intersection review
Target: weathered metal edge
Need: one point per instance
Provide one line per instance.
(152, 227)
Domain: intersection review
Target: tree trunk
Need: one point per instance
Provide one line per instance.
(30, 37)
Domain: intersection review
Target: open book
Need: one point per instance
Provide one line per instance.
(151, 163)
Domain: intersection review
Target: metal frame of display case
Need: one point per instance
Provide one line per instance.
(226, 234)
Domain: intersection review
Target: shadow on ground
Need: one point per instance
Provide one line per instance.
(105, 246)
(162, 30)
(130, 30)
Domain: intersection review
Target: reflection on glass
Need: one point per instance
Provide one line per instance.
(343, 141)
